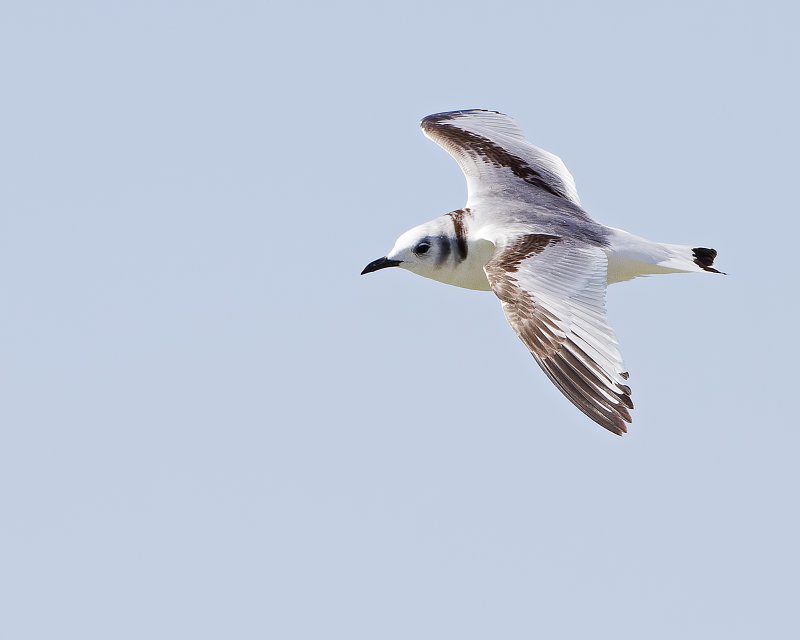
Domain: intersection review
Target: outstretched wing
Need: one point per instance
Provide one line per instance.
(495, 157)
(553, 294)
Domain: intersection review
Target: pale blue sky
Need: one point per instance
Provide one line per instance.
(213, 427)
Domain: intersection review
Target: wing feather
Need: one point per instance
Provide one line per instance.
(496, 158)
(553, 294)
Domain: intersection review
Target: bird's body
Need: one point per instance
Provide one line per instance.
(524, 235)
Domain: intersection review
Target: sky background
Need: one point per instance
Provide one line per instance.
(212, 427)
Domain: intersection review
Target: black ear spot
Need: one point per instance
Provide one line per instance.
(422, 247)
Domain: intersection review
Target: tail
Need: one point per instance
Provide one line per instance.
(630, 256)
(704, 258)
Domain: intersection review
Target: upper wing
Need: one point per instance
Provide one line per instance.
(495, 157)
(553, 294)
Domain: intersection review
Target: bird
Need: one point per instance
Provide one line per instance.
(524, 235)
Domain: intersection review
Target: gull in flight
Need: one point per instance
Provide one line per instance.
(524, 235)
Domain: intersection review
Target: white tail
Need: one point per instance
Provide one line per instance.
(630, 256)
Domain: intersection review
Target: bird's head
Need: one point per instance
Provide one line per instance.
(425, 250)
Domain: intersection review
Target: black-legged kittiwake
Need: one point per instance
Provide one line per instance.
(524, 235)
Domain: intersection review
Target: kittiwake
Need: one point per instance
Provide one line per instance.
(524, 235)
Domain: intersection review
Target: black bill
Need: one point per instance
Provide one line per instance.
(380, 263)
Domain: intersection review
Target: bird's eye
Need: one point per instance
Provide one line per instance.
(422, 247)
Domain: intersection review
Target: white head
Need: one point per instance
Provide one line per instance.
(439, 250)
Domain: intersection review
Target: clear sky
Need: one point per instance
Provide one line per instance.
(213, 427)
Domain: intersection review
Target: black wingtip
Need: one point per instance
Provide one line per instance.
(436, 118)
